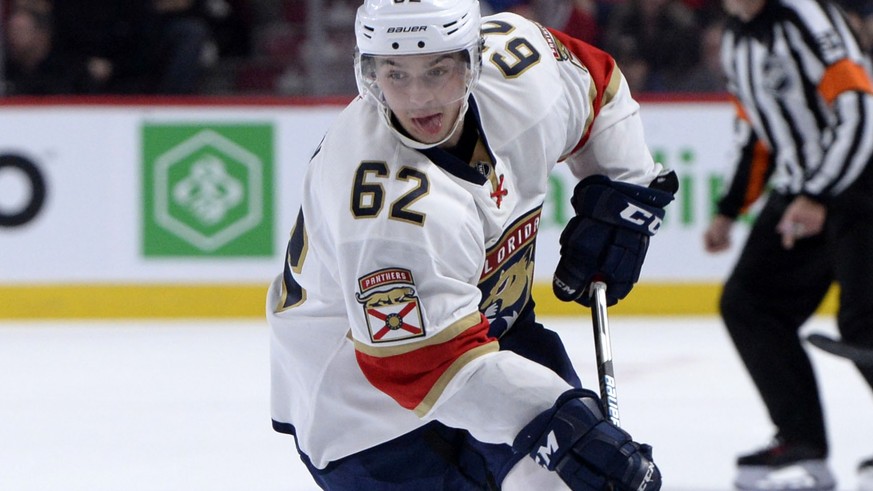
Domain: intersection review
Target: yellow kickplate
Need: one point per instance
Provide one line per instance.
(58, 301)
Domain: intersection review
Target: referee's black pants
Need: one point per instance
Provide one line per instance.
(773, 291)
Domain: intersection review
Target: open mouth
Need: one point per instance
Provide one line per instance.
(430, 125)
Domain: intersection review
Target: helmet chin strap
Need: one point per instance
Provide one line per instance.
(412, 143)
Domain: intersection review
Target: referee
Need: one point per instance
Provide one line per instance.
(804, 130)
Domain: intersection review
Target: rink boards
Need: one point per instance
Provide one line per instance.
(121, 208)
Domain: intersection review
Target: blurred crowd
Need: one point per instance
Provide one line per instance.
(304, 47)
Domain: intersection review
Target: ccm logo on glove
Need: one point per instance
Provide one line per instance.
(639, 216)
(609, 236)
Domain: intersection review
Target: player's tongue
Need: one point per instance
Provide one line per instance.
(431, 125)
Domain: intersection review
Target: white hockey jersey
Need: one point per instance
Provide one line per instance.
(402, 259)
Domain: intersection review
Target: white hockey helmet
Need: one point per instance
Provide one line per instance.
(415, 27)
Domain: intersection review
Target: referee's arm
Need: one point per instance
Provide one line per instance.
(753, 165)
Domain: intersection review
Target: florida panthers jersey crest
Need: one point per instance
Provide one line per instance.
(507, 276)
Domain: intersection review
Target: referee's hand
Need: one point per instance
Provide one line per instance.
(803, 218)
(717, 237)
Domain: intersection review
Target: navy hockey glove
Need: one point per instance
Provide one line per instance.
(609, 236)
(588, 452)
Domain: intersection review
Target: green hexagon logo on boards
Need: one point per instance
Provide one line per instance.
(207, 190)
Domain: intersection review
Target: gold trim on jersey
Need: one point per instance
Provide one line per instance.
(283, 299)
(443, 336)
(592, 96)
(297, 266)
(481, 155)
(608, 95)
(439, 387)
(295, 255)
(613, 86)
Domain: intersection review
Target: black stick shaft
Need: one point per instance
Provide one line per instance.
(603, 348)
(858, 354)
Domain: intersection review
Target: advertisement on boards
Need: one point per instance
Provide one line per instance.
(207, 190)
(96, 200)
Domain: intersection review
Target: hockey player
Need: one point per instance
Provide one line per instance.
(805, 123)
(405, 351)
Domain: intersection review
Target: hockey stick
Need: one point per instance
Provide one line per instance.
(862, 356)
(603, 348)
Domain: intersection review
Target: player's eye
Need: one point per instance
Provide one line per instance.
(438, 72)
(397, 76)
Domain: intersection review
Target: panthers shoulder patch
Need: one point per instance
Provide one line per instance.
(391, 305)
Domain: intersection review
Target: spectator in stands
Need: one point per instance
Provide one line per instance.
(230, 23)
(181, 46)
(634, 66)
(578, 18)
(33, 65)
(581, 21)
(707, 75)
(520, 7)
(109, 36)
(665, 32)
(135, 46)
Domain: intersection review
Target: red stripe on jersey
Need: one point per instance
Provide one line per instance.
(599, 64)
(408, 377)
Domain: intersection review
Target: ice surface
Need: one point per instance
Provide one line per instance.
(183, 406)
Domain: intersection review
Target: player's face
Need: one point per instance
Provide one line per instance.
(424, 92)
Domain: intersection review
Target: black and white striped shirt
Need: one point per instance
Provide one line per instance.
(805, 102)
